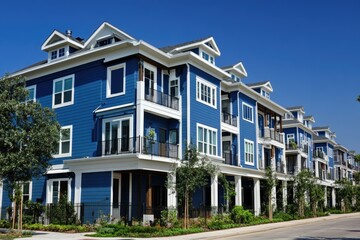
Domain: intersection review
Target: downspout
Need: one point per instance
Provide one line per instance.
(188, 104)
(239, 139)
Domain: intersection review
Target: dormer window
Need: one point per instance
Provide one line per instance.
(288, 116)
(265, 93)
(58, 53)
(208, 57)
(106, 41)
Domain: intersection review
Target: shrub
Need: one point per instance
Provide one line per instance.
(220, 221)
(169, 218)
(62, 212)
(4, 224)
(32, 212)
(240, 215)
(283, 215)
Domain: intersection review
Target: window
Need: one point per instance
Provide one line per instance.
(26, 191)
(115, 82)
(208, 57)
(174, 87)
(58, 53)
(330, 152)
(63, 91)
(249, 152)
(290, 138)
(150, 81)
(205, 92)
(58, 188)
(265, 93)
(248, 112)
(64, 147)
(31, 97)
(206, 140)
(117, 136)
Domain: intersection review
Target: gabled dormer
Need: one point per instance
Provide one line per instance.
(309, 121)
(298, 113)
(206, 48)
(237, 71)
(264, 88)
(325, 132)
(105, 35)
(59, 45)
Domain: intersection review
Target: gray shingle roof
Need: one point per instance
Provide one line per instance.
(167, 49)
(256, 84)
(292, 121)
(320, 128)
(33, 65)
(295, 108)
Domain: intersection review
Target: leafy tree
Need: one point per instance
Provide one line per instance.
(345, 194)
(316, 194)
(191, 173)
(301, 182)
(29, 134)
(62, 212)
(270, 183)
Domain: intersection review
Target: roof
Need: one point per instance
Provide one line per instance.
(309, 118)
(291, 121)
(237, 68)
(32, 65)
(321, 128)
(316, 137)
(170, 48)
(256, 84)
(295, 108)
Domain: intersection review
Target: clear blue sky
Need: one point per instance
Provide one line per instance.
(309, 50)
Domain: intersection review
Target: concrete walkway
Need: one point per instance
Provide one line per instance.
(196, 236)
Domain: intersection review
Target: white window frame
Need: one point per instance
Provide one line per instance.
(29, 88)
(57, 51)
(30, 190)
(115, 119)
(207, 141)
(213, 92)
(319, 149)
(49, 187)
(108, 80)
(243, 112)
(71, 141)
(246, 141)
(178, 83)
(292, 135)
(62, 104)
(330, 152)
(211, 59)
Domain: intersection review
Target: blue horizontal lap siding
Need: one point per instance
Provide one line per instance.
(95, 195)
(247, 130)
(39, 189)
(6, 202)
(202, 113)
(331, 159)
(291, 130)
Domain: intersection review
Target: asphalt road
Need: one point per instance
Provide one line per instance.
(343, 228)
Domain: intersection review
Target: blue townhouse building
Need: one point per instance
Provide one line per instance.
(128, 110)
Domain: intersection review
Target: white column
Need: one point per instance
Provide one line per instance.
(298, 164)
(316, 168)
(325, 197)
(273, 198)
(1, 194)
(77, 193)
(139, 109)
(130, 196)
(171, 192)
(214, 194)
(284, 193)
(238, 191)
(257, 203)
(333, 197)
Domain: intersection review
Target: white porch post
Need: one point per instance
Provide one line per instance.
(298, 164)
(77, 194)
(238, 191)
(333, 197)
(1, 194)
(316, 168)
(171, 193)
(214, 194)
(325, 197)
(257, 203)
(284, 193)
(273, 198)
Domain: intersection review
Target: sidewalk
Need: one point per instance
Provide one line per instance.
(196, 236)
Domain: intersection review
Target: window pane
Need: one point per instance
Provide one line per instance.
(63, 188)
(68, 84)
(65, 134)
(57, 149)
(53, 54)
(61, 52)
(200, 134)
(117, 81)
(31, 94)
(67, 96)
(57, 98)
(58, 86)
(55, 193)
(26, 188)
(65, 147)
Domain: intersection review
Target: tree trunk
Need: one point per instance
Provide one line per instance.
(270, 208)
(21, 214)
(185, 210)
(314, 204)
(301, 207)
(14, 215)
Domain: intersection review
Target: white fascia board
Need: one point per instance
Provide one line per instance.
(215, 51)
(65, 38)
(299, 125)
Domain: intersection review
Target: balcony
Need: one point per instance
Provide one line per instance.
(270, 133)
(140, 145)
(162, 99)
(292, 170)
(305, 148)
(229, 119)
(230, 158)
(291, 146)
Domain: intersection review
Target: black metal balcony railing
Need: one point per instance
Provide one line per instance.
(291, 146)
(141, 145)
(305, 148)
(292, 170)
(161, 98)
(230, 158)
(319, 154)
(272, 134)
(229, 119)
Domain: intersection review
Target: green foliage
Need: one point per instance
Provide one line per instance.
(240, 215)
(169, 218)
(4, 224)
(32, 212)
(59, 228)
(220, 221)
(283, 216)
(302, 182)
(270, 183)
(29, 133)
(345, 194)
(62, 212)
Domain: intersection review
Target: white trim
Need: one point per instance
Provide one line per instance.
(114, 108)
(49, 185)
(30, 189)
(188, 105)
(117, 119)
(32, 87)
(66, 39)
(213, 92)
(1, 196)
(153, 69)
(62, 104)
(252, 112)
(207, 140)
(288, 135)
(108, 80)
(111, 192)
(202, 52)
(71, 141)
(253, 153)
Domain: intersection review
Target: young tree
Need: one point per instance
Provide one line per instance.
(270, 183)
(345, 193)
(191, 173)
(301, 182)
(316, 194)
(29, 135)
